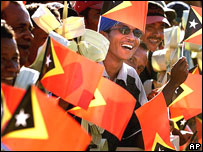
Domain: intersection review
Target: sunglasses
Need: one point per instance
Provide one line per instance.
(125, 30)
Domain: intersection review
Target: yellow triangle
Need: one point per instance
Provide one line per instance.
(123, 5)
(197, 14)
(186, 92)
(159, 140)
(98, 101)
(6, 112)
(195, 34)
(58, 69)
(39, 131)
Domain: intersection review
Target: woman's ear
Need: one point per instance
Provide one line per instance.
(104, 34)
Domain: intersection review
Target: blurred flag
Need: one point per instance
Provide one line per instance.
(199, 129)
(39, 124)
(154, 122)
(193, 31)
(11, 98)
(109, 110)
(119, 10)
(189, 102)
(69, 75)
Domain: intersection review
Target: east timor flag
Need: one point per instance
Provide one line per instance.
(69, 75)
(39, 124)
(154, 122)
(11, 98)
(189, 102)
(129, 12)
(193, 31)
(111, 109)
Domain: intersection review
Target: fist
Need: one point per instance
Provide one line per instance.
(179, 72)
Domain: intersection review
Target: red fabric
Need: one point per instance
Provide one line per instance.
(79, 79)
(12, 98)
(199, 130)
(64, 133)
(137, 14)
(154, 114)
(191, 104)
(82, 5)
(114, 113)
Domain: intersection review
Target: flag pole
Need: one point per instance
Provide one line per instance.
(65, 15)
(182, 50)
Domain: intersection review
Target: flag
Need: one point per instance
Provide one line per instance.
(111, 109)
(38, 124)
(194, 70)
(154, 122)
(69, 75)
(11, 98)
(199, 129)
(133, 13)
(189, 102)
(193, 31)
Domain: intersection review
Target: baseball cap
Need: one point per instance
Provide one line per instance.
(156, 13)
(179, 7)
(82, 5)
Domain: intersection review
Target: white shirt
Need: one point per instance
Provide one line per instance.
(122, 75)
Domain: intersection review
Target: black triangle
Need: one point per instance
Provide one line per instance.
(108, 5)
(26, 105)
(51, 66)
(191, 30)
(160, 147)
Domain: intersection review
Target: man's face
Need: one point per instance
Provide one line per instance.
(18, 18)
(93, 19)
(153, 35)
(122, 47)
(139, 60)
(40, 37)
(10, 64)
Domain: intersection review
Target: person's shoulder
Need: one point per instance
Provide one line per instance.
(130, 70)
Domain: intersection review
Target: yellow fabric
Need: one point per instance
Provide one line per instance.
(45, 19)
(93, 45)
(72, 27)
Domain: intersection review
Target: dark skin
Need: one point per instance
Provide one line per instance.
(18, 18)
(10, 65)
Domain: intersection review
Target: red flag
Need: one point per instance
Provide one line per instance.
(189, 102)
(12, 97)
(39, 124)
(193, 31)
(69, 75)
(111, 111)
(154, 122)
(199, 129)
(118, 10)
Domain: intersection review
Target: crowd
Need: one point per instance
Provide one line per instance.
(128, 61)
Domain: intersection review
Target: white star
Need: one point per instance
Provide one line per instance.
(182, 122)
(48, 61)
(21, 118)
(193, 24)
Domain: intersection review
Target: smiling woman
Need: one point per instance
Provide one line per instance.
(10, 64)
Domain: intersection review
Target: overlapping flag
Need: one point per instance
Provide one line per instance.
(39, 124)
(69, 75)
(11, 98)
(189, 102)
(111, 109)
(154, 122)
(193, 31)
(118, 10)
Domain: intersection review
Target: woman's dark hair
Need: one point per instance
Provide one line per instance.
(6, 30)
